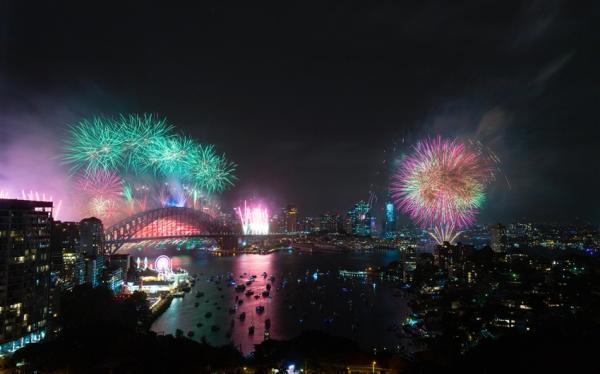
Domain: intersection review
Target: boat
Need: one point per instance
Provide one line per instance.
(199, 294)
(249, 293)
(240, 302)
(264, 274)
(272, 278)
(199, 324)
(240, 288)
(265, 293)
(207, 315)
(242, 316)
(269, 286)
(260, 309)
(267, 323)
(251, 330)
(257, 296)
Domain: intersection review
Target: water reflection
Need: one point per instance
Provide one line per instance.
(307, 293)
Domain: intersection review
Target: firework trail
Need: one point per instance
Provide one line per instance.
(441, 186)
(254, 219)
(41, 196)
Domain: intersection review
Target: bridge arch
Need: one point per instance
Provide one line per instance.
(168, 222)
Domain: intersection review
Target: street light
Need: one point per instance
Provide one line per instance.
(374, 366)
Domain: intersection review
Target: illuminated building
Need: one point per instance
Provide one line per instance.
(389, 224)
(290, 219)
(92, 236)
(25, 257)
(65, 253)
(498, 238)
(330, 222)
(360, 219)
(309, 224)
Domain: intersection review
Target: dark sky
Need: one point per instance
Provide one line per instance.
(315, 101)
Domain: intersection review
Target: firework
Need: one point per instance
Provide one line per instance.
(138, 136)
(104, 183)
(208, 171)
(41, 196)
(441, 186)
(254, 219)
(137, 162)
(94, 145)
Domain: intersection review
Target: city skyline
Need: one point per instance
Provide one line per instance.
(288, 138)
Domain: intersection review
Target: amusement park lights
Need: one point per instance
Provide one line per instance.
(254, 219)
(162, 264)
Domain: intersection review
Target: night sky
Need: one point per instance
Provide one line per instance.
(315, 102)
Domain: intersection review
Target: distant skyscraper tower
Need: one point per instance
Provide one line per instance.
(92, 236)
(290, 218)
(389, 224)
(25, 255)
(360, 218)
(498, 238)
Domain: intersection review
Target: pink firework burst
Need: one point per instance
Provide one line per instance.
(441, 186)
(101, 183)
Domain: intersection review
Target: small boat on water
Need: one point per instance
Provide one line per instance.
(242, 316)
(260, 309)
(240, 302)
(207, 315)
(249, 293)
(257, 297)
(267, 323)
(264, 274)
(199, 324)
(265, 293)
(240, 288)
(199, 294)
(251, 330)
(269, 286)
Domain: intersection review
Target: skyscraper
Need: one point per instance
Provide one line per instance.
(65, 253)
(290, 218)
(389, 224)
(498, 238)
(360, 218)
(25, 256)
(91, 236)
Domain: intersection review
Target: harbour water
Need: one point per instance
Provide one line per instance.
(307, 293)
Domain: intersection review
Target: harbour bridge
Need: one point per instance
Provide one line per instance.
(172, 223)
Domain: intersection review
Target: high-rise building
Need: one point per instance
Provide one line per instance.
(389, 223)
(290, 219)
(25, 258)
(360, 219)
(91, 236)
(330, 222)
(65, 253)
(498, 238)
